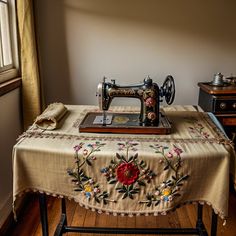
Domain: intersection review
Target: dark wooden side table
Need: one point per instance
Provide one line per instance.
(220, 100)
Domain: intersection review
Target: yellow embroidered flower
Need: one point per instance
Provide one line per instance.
(87, 188)
(166, 192)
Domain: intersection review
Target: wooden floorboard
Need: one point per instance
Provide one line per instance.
(29, 222)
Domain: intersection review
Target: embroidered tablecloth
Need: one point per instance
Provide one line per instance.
(128, 174)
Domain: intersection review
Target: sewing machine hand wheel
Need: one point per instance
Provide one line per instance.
(168, 89)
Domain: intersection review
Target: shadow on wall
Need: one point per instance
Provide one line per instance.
(50, 28)
(208, 20)
(83, 40)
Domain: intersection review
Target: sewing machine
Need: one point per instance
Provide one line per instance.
(149, 120)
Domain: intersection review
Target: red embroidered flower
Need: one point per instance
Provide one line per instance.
(127, 173)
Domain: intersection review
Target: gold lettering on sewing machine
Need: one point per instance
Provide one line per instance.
(115, 92)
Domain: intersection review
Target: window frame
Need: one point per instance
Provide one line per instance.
(11, 71)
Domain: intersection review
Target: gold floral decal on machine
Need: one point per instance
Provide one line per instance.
(127, 171)
(169, 189)
(85, 184)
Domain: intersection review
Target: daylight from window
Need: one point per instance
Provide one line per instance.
(5, 43)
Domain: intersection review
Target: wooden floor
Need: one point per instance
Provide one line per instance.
(29, 222)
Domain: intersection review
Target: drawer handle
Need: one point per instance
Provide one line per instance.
(223, 105)
(234, 105)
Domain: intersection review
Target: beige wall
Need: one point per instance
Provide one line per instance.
(83, 40)
(10, 126)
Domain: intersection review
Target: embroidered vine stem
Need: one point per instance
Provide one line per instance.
(170, 188)
(84, 183)
(196, 129)
(87, 157)
(163, 155)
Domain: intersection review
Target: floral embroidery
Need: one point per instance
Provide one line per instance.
(196, 129)
(127, 171)
(83, 182)
(168, 190)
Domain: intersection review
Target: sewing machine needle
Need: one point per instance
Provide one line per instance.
(104, 118)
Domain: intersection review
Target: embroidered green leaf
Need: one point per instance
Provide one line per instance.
(84, 178)
(105, 194)
(131, 159)
(73, 175)
(88, 162)
(182, 178)
(130, 187)
(97, 200)
(135, 156)
(136, 190)
(166, 167)
(121, 190)
(125, 195)
(143, 164)
(141, 183)
(157, 202)
(78, 189)
(112, 181)
(130, 196)
(118, 156)
(120, 144)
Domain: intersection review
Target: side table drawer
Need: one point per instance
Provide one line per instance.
(224, 104)
(227, 120)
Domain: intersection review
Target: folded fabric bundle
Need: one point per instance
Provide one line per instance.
(51, 117)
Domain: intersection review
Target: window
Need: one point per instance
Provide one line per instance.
(8, 41)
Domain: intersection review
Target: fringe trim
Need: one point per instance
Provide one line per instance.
(122, 213)
(222, 138)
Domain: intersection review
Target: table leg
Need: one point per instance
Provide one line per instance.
(63, 221)
(200, 225)
(213, 223)
(63, 228)
(63, 209)
(43, 213)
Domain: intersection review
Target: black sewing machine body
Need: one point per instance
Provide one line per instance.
(149, 121)
(147, 92)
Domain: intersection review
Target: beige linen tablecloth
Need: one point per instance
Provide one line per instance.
(128, 174)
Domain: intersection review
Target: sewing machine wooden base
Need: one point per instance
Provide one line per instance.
(127, 123)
